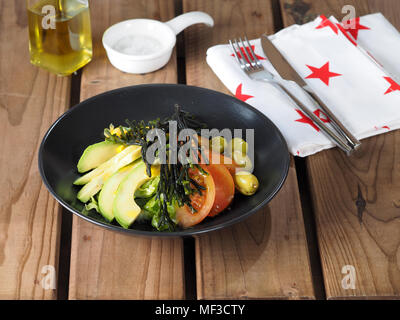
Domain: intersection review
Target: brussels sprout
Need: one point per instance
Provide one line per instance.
(246, 182)
(238, 144)
(243, 161)
(218, 144)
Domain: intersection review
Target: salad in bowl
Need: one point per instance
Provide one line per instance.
(171, 173)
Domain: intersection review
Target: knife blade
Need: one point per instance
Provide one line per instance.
(280, 63)
(287, 72)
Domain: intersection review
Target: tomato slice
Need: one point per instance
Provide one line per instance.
(202, 203)
(224, 188)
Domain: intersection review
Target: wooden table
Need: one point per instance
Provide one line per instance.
(295, 248)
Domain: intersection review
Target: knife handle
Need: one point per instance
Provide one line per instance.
(351, 140)
(338, 139)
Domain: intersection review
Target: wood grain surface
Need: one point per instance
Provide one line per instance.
(356, 199)
(109, 265)
(30, 101)
(266, 256)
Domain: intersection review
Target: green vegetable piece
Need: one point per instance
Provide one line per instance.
(109, 190)
(95, 185)
(144, 216)
(246, 183)
(155, 222)
(148, 189)
(218, 144)
(243, 161)
(125, 208)
(153, 205)
(104, 166)
(96, 154)
(92, 204)
(238, 144)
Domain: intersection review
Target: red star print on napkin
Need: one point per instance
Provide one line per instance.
(343, 30)
(394, 86)
(304, 119)
(353, 26)
(335, 28)
(322, 73)
(240, 95)
(327, 23)
(320, 114)
(384, 127)
(242, 53)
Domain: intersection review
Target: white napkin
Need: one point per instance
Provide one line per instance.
(358, 90)
(381, 40)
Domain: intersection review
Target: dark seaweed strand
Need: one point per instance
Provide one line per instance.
(186, 120)
(184, 181)
(164, 196)
(180, 183)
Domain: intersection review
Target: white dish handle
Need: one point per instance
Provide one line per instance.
(185, 20)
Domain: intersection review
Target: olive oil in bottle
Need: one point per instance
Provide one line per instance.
(59, 35)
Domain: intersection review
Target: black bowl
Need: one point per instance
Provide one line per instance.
(84, 124)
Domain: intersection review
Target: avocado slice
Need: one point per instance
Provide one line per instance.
(98, 153)
(95, 185)
(109, 191)
(125, 209)
(100, 169)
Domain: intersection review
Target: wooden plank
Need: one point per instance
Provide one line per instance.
(266, 256)
(31, 99)
(341, 184)
(105, 264)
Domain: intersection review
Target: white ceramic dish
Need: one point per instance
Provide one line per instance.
(145, 45)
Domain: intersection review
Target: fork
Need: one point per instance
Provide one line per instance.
(252, 66)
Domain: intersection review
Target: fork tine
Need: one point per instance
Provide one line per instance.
(240, 58)
(247, 55)
(234, 52)
(258, 63)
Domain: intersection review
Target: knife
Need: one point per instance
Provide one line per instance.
(287, 72)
